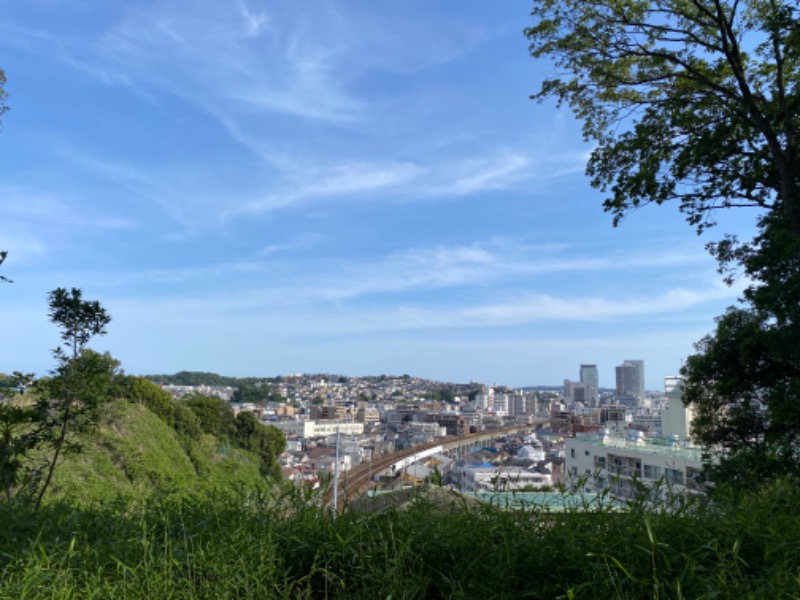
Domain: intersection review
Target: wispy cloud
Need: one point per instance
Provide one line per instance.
(34, 205)
(301, 242)
(486, 264)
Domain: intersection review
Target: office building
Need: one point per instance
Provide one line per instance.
(630, 379)
(589, 375)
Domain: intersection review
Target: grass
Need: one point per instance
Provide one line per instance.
(229, 545)
(134, 454)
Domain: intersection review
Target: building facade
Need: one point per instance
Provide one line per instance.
(590, 375)
(630, 379)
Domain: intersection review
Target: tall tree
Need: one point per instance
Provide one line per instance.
(744, 380)
(692, 101)
(82, 379)
(697, 102)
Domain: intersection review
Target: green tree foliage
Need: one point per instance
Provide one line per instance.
(214, 415)
(264, 441)
(186, 422)
(442, 395)
(71, 401)
(696, 102)
(18, 435)
(82, 380)
(194, 378)
(255, 392)
(744, 381)
(144, 391)
(692, 101)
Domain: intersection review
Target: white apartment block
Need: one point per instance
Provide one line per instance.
(324, 428)
(613, 460)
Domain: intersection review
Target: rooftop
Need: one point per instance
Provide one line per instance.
(661, 446)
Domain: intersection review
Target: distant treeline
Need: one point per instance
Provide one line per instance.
(254, 390)
(205, 378)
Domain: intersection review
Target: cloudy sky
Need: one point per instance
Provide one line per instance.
(271, 187)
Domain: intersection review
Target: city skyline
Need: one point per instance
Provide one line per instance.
(258, 188)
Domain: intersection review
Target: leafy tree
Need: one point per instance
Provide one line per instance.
(194, 378)
(82, 379)
(692, 101)
(744, 381)
(143, 391)
(214, 415)
(266, 442)
(186, 422)
(255, 393)
(696, 102)
(18, 436)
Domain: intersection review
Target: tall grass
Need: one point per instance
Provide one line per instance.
(228, 545)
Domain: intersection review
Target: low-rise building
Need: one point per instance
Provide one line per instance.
(618, 460)
(615, 462)
(315, 429)
(485, 478)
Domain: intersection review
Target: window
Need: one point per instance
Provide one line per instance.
(572, 452)
(652, 472)
(586, 453)
(674, 476)
(600, 462)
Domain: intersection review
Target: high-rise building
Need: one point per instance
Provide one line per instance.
(630, 379)
(588, 374)
(639, 364)
(578, 391)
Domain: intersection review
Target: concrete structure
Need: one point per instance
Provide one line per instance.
(584, 393)
(614, 460)
(590, 375)
(676, 419)
(453, 423)
(368, 415)
(630, 379)
(313, 429)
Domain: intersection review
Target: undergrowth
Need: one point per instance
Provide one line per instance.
(229, 545)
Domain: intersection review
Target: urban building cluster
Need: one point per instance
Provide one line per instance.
(597, 438)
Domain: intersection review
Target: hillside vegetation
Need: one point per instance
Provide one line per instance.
(134, 453)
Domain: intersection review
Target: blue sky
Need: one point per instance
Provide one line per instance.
(262, 188)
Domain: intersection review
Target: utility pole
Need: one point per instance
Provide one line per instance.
(336, 478)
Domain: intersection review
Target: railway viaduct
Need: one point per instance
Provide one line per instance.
(359, 479)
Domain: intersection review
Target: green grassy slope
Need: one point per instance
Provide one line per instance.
(134, 454)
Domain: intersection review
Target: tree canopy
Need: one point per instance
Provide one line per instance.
(696, 102)
(692, 101)
(744, 380)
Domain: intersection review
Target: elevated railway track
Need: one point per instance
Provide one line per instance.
(356, 481)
